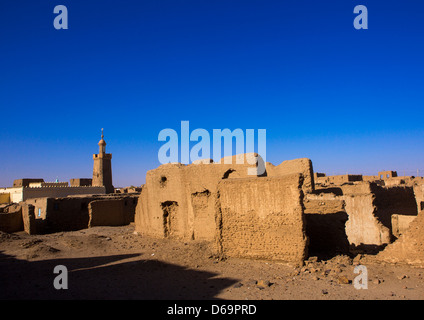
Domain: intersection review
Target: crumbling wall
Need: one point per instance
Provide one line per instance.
(178, 201)
(262, 218)
(387, 174)
(111, 212)
(409, 248)
(326, 218)
(80, 212)
(344, 178)
(61, 214)
(400, 224)
(395, 181)
(302, 165)
(11, 218)
(203, 204)
(419, 195)
(370, 178)
(363, 225)
(321, 180)
(28, 218)
(40, 207)
(323, 203)
(40, 213)
(370, 208)
(66, 214)
(164, 187)
(392, 200)
(185, 202)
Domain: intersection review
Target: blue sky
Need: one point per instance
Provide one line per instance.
(350, 100)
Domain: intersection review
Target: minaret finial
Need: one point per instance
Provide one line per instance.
(102, 134)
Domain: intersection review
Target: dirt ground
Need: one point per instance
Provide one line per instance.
(115, 263)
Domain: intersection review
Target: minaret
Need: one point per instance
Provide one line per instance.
(102, 170)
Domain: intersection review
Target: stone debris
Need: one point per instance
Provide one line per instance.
(262, 284)
(343, 280)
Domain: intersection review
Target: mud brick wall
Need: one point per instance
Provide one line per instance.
(262, 218)
(111, 212)
(178, 201)
(11, 219)
(302, 165)
(409, 248)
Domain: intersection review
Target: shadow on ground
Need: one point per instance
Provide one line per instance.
(107, 277)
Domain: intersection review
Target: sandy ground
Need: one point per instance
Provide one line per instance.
(115, 263)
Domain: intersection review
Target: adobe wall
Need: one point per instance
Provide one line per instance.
(15, 194)
(387, 174)
(73, 213)
(419, 196)
(370, 178)
(302, 165)
(164, 190)
(111, 212)
(178, 201)
(81, 182)
(28, 217)
(409, 248)
(11, 219)
(391, 200)
(18, 183)
(400, 224)
(40, 207)
(363, 226)
(319, 175)
(370, 208)
(262, 218)
(398, 181)
(323, 203)
(182, 202)
(66, 214)
(340, 179)
(4, 198)
(326, 218)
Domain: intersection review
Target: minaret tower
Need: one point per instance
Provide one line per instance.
(102, 170)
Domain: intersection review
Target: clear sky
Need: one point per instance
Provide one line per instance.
(350, 100)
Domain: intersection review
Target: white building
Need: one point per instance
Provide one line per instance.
(18, 194)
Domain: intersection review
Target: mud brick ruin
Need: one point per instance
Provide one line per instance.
(287, 214)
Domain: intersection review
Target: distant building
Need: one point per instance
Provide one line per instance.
(81, 182)
(387, 174)
(25, 182)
